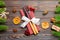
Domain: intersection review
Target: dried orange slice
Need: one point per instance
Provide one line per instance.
(16, 20)
(45, 25)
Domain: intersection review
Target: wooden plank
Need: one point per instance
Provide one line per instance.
(41, 6)
(30, 0)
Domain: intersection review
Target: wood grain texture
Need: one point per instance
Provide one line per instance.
(31, 0)
(41, 6)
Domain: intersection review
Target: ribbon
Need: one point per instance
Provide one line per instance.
(56, 28)
(27, 20)
(3, 14)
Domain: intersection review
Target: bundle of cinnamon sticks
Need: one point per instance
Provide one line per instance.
(32, 28)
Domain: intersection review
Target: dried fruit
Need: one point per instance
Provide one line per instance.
(16, 20)
(45, 25)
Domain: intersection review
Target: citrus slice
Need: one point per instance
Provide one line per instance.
(16, 20)
(45, 25)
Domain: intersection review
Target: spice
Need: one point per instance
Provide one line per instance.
(45, 12)
(14, 30)
(53, 20)
(14, 10)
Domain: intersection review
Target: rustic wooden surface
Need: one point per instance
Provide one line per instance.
(41, 6)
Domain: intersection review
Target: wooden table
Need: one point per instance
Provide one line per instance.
(41, 6)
